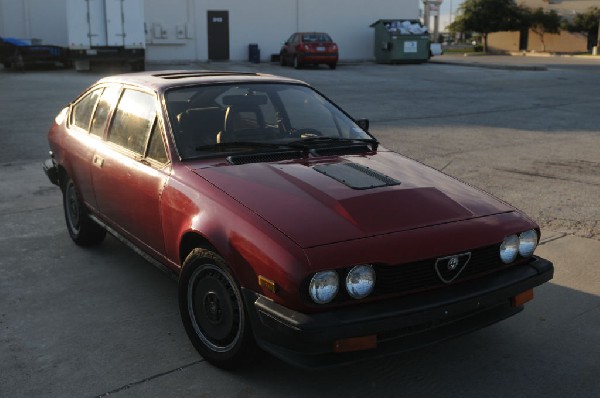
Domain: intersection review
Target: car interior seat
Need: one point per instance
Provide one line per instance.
(197, 127)
(243, 122)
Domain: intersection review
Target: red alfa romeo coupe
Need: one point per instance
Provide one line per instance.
(288, 226)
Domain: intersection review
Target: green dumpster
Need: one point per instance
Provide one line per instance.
(400, 41)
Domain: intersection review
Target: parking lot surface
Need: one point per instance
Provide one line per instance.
(103, 322)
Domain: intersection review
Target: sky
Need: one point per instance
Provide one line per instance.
(445, 12)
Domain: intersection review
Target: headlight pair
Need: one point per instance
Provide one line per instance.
(324, 285)
(523, 244)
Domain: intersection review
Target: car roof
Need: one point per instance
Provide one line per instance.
(164, 79)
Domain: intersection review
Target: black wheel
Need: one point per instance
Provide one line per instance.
(83, 230)
(296, 62)
(332, 66)
(282, 59)
(138, 66)
(212, 310)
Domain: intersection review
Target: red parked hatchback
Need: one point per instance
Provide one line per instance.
(286, 222)
(306, 48)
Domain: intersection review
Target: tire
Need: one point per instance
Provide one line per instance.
(282, 59)
(296, 62)
(138, 66)
(212, 310)
(82, 229)
(332, 66)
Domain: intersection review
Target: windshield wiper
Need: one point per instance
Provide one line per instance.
(335, 140)
(241, 144)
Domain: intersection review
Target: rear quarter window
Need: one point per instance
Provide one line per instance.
(83, 109)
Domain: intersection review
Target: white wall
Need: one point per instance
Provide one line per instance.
(266, 22)
(270, 22)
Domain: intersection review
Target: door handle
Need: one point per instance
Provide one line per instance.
(98, 161)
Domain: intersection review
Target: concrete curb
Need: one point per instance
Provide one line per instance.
(491, 66)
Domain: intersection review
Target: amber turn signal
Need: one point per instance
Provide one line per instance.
(355, 344)
(267, 284)
(522, 298)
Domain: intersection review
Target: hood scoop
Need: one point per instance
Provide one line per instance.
(356, 176)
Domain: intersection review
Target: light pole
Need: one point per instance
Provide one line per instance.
(426, 14)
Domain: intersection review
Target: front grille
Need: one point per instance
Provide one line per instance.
(422, 275)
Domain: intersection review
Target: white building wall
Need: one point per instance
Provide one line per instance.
(176, 30)
(270, 22)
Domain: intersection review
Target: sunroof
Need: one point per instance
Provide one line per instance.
(201, 73)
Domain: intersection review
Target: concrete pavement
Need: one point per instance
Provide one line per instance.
(103, 322)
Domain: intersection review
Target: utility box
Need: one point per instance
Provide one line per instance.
(106, 31)
(400, 41)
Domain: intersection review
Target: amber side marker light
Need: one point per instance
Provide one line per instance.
(355, 344)
(267, 284)
(522, 298)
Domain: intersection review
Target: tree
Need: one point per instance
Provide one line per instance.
(488, 16)
(542, 22)
(587, 23)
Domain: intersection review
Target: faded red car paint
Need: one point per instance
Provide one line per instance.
(220, 219)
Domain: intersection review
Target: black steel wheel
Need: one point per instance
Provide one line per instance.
(212, 310)
(83, 230)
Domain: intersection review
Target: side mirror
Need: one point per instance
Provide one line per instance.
(363, 124)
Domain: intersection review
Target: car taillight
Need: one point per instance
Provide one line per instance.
(306, 47)
(334, 47)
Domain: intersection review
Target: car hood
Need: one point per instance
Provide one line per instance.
(318, 202)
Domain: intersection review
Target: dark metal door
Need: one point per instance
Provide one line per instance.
(218, 35)
(524, 40)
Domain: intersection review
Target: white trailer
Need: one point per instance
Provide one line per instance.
(107, 31)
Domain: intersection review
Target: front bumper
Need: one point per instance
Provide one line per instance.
(51, 170)
(400, 324)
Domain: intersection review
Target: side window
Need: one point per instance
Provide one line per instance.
(107, 100)
(156, 147)
(82, 110)
(133, 120)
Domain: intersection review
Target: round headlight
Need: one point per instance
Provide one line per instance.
(323, 286)
(527, 243)
(509, 249)
(360, 281)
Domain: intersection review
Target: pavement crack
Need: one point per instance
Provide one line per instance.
(552, 238)
(156, 376)
(541, 175)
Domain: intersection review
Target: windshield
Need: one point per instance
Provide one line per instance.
(209, 120)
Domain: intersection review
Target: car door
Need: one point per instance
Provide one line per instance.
(130, 171)
(81, 145)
